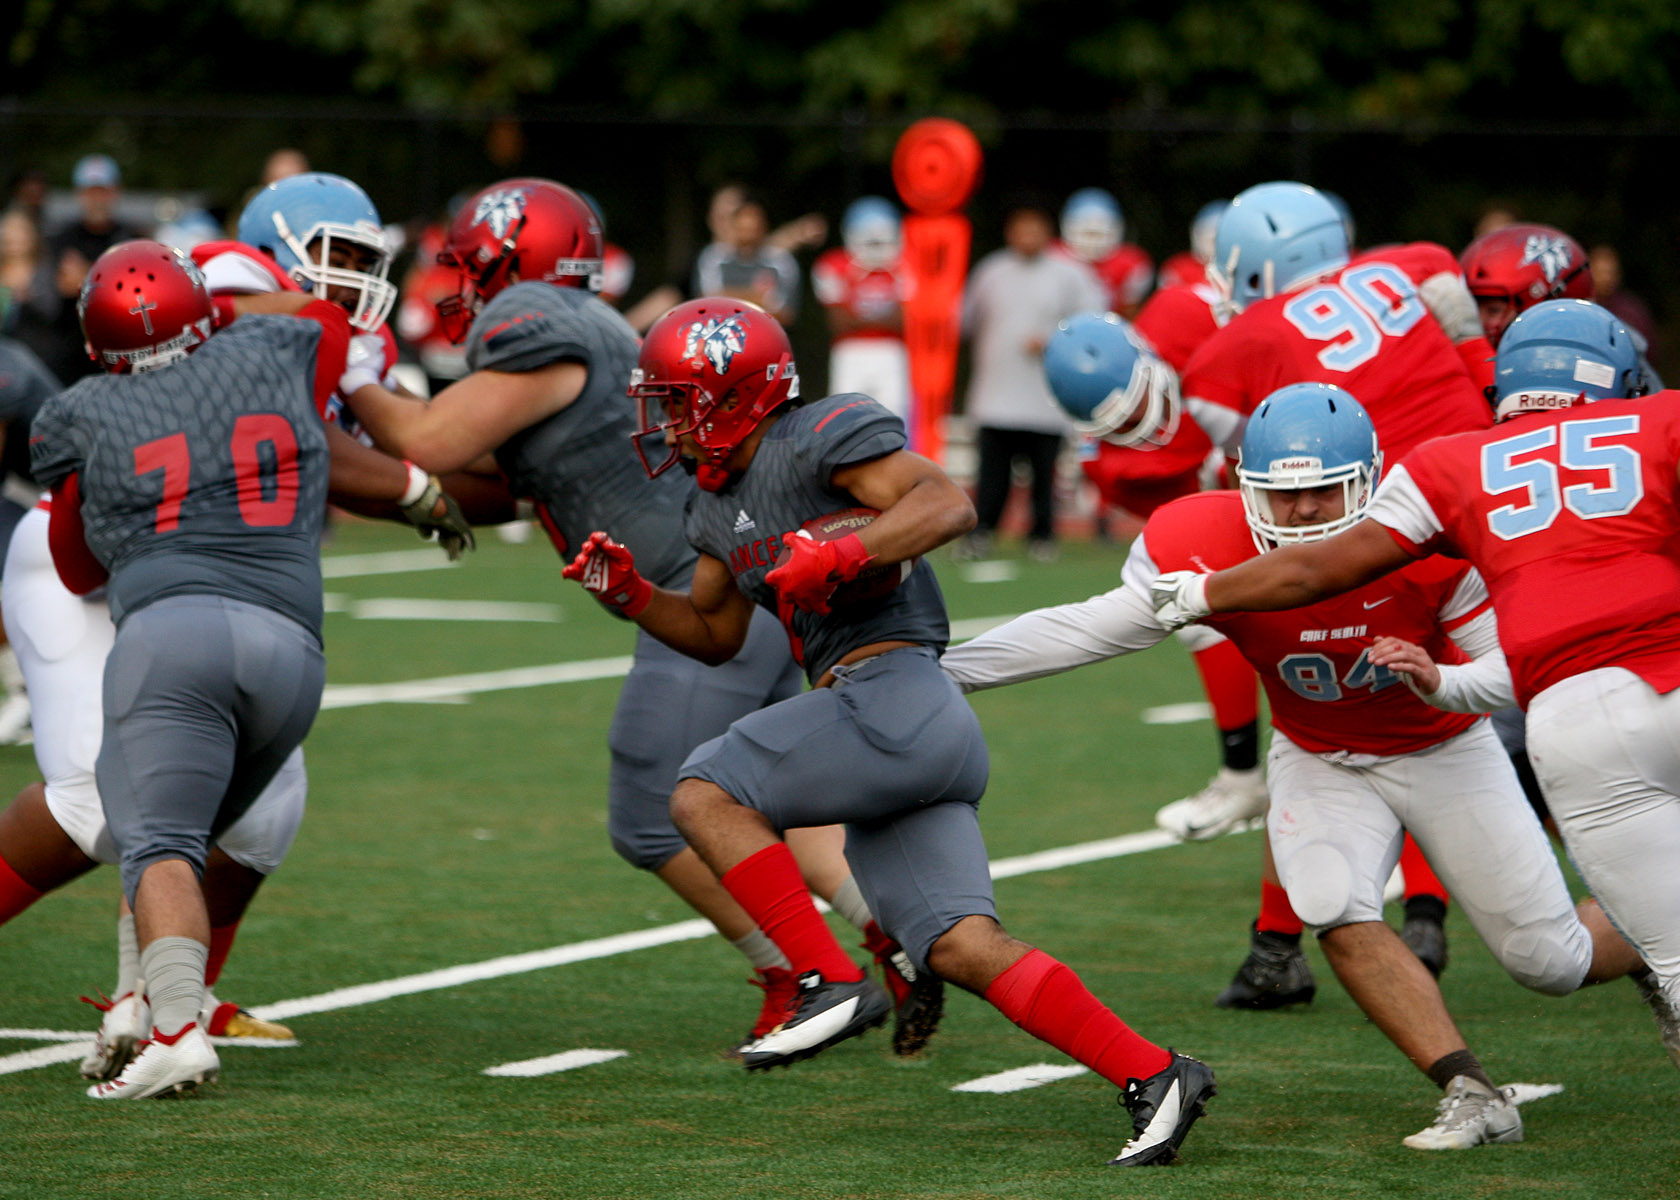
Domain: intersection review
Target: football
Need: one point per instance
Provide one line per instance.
(875, 583)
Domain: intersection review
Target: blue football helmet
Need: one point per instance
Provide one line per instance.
(1565, 352)
(870, 231)
(1205, 227)
(1306, 435)
(1109, 380)
(1275, 237)
(300, 220)
(1092, 224)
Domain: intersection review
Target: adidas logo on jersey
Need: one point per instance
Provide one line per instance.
(744, 522)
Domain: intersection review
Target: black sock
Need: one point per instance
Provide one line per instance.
(1460, 1062)
(1426, 908)
(1239, 748)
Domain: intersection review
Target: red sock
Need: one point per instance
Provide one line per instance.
(1277, 915)
(769, 886)
(1047, 999)
(221, 941)
(1229, 682)
(15, 894)
(1420, 878)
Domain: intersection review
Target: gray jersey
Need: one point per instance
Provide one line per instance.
(579, 464)
(788, 484)
(206, 477)
(25, 385)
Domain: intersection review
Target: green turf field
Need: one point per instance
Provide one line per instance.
(445, 834)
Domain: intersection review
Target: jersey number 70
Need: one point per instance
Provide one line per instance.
(256, 479)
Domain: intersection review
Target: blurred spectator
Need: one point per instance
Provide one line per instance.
(29, 299)
(862, 285)
(1093, 230)
(28, 194)
(417, 322)
(746, 266)
(1190, 266)
(1495, 216)
(1605, 264)
(284, 163)
(1015, 298)
(798, 234)
(74, 248)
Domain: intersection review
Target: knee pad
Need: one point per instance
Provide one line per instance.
(1320, 885)
(1549, 957)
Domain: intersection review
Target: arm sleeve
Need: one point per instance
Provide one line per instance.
(1401, 507)
(80, 571)
(1049, 641)
(1484, 683)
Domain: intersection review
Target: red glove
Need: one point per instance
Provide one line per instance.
(808, 571)
(608, 570)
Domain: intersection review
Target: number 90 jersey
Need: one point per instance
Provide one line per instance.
(1364, 329)
(1572, 518)
(1314, 662)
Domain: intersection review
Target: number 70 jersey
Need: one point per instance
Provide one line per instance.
(206, 477)
(1571, 517)
(1323, 690)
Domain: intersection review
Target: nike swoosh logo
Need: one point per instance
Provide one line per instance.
(1374, 603)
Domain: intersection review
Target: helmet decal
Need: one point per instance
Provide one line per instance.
(719, 341)
(1550, 252)
(499, 209)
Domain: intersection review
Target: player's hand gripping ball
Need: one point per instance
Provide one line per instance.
(824, 566)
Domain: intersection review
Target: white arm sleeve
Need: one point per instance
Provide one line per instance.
(236, 273)
(1448, 297)
(1224, 426)
(1401, 506)
(1484, 683)
(1051, 640)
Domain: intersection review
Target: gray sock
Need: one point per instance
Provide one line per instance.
(174, 972)
(761, 952)
(128, 957)
(848, 902)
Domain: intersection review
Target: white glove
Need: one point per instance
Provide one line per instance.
(364, 364)
(1179, 598)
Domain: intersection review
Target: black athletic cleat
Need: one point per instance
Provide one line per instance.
(824, 1013)
(1274, 975)
(918, 996)
(1424, 933)
(1163, 1107)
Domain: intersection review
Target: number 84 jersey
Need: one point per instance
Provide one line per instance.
(1314, 662)
(1572, 518)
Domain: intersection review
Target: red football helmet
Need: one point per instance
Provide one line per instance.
(533, 228)
(1517, 266)
(695, 360)
(143, 306)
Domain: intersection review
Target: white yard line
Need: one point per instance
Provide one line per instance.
(389, 562)
(1021, 1078)
(569, 1060)
(537, 960)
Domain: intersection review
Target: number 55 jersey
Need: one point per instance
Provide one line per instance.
(1366, 329)
(1571, 516)
(1324, 692)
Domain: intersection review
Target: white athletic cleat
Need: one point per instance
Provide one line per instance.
(1162, 1109)
(1469, 1115)
(1231, 798)
(823, 1013)
(164, 1066)
(1668, 1021)
(127, 1020)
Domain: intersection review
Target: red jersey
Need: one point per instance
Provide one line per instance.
(1364, 329)
(1126, 273)
(1572, 518)
(1323, 691)
(873, 296)
(1181, 268)
(1178, 320)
